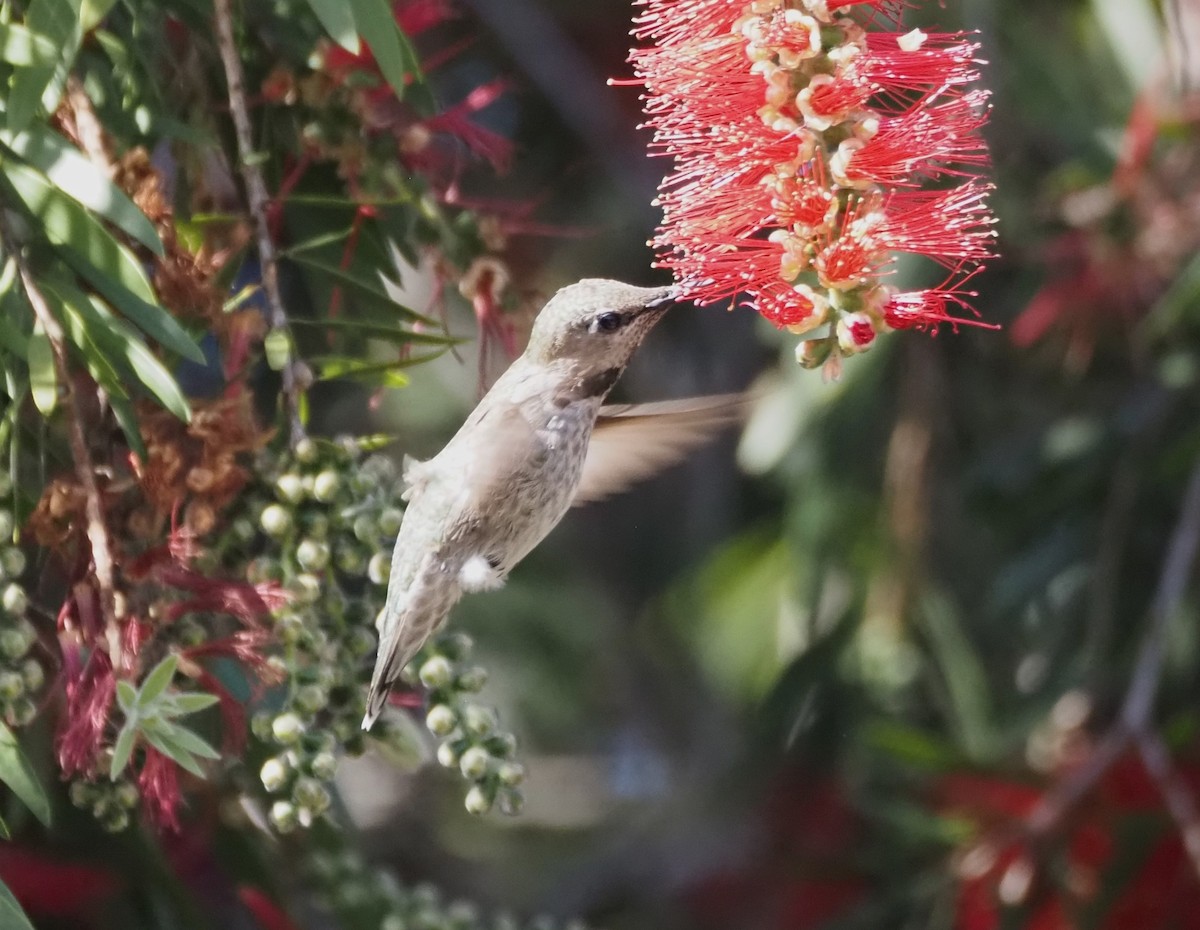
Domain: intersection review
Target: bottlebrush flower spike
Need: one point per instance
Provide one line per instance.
(803, 132)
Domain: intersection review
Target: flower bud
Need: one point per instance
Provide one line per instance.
(126, 794)
(311, 698)
(12, 560)
(377, 568)
(287, 729)
(33, 673)
(20, 712)
(478, 800)
(366, 529)
(472, 679)
(312, 555)
(12, 685)
(284, 817)
(855, 332)
(511, 774)
(448, 755)
(312, 795)
(274, 774)
(390, 520)
(441, 720)
(474, 763)
(436, 672)
(324, 766)
(326, 486)
(276, 520)
(7, 525)
(306, 589)
(502, 745)
(479, 721)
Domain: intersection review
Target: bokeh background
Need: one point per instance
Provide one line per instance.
(916, 648)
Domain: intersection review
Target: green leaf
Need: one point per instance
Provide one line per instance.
(77, 177)
(366, 288)
(338, 20)
(127, 419)
(393, 52)
(176, 705)
(68, 223)
(126, 696)
(114, 336)
(382, 331)
(156, 738)
(18, 774)
(58, 21)
(5, 833)
(11, 337)
(12, 917)
(25, 49)
(92, 13)
(43, 380)
(157, 680)
(187, 740)
(122, 750)
(383, 374)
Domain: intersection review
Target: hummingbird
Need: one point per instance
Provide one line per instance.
(539, 441)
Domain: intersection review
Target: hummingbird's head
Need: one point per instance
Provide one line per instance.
(597, 322)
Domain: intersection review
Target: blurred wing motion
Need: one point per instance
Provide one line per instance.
(633, 441)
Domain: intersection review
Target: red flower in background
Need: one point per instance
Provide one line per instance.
(801, 142)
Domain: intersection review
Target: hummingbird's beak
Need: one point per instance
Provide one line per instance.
(670, 296)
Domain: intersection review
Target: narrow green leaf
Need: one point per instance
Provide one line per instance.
(338, 21)
(316, 242)
(93, 12)
(382, 331)
(383, 374)
(366, 288)
(5, 833)
(43, 381)
(393, 52)
(25, 49)
(68, 223)
(18, 774)
(11, 337)
(122, 750)
(177, 705)
(186, 739)
(58, 21)
(77, 177)
(114, 336)
(12, 917)
(126, 696)
(172, 750)
(127, 419)
(157, 680)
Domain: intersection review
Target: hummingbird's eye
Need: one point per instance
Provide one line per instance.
(608, 322)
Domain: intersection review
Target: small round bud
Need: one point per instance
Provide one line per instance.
(16, 640)
(326, 486)
(377, 568)
(474, 763)
(324, 766)
(448, 755)
(242, 530)
(114, 820)
(264, 569)
(6, 485)
(289, 487)
(462, 915)
(274, 774)
(456, 646)
(14, 600)
(361, 641)
(260, 726)
(81, 793)
(311, 698)
(312, 555)
(284, 817)
(502, 745)
(33, 673)
(478, 801)
(305, 588)
(366, 529)
(13, 561)
(511, 801)
(390, 520)
(20, 712)
(350, 559)
(472, 679)
(306, 451)
(7, 525)
(276, 520)
(287, 729)
(126, 794)
(436, 672)
(12, 685)
(511, 773)
(441, 720)
(479, 721)
(311, 795)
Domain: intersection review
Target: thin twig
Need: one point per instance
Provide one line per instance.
(259, 203)
(85, 467)
(88, 129)
(1180, 803)
(1133, 725)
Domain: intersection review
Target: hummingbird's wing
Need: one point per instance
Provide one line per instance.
(633, 441)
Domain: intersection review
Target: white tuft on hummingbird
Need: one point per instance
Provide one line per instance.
(538, 442)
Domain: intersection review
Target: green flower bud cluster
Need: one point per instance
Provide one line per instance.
(321, 518)
(22, 674)
(361, 896)
(110, 802)
(471, 740)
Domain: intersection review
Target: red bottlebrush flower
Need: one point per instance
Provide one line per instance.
(158, 782)
(267, 914)
(801, 132)
(56, 889)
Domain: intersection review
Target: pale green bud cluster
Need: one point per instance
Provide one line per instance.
(22, 674)
(111, 802)
(471, 739)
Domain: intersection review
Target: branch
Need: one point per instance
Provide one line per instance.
(85, 467)
(1178, 799)
(259, 202)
